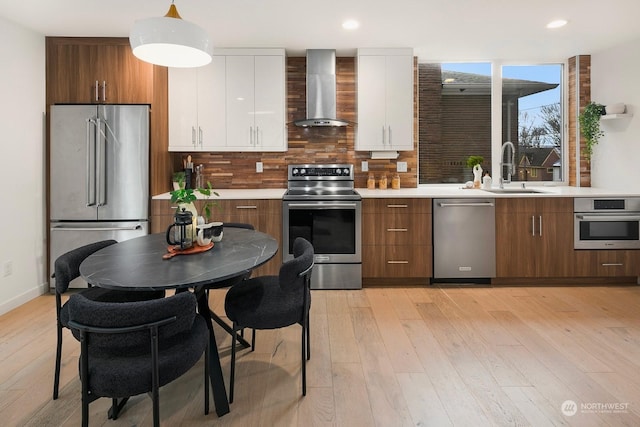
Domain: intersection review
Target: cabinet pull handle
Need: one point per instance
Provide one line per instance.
(193, 136)
(533, 225)
(390, 137)
(397, 229)
(397, 262)
(540, 225)
(250, 135)
(397, 206)
(383, 138)
(200, 135)
(257, 135)
(104, 90)
(97, 91)
(246, 207)
(612, 264)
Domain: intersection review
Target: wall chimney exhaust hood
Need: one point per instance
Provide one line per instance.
(321, 90)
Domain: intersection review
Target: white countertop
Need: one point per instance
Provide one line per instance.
(229, 194)
(456, 191)
(429, 191)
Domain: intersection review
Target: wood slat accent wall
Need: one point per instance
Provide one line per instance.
(579, 97)
(306, 145)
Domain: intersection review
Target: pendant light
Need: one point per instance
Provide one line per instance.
(170, 41)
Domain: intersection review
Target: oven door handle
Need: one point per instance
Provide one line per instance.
(608, 217)
(321, 206)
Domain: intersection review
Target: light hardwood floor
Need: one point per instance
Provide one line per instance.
(435, 356)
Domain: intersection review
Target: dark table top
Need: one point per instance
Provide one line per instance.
(137, 264)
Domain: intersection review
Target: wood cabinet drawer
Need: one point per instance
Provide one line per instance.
(396, 229)
(387, 206)
(396, 261)
(607, 263)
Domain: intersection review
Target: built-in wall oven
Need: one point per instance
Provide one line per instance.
(607, 223)
(322, 206)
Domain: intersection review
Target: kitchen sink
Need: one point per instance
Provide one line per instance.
(513, 191)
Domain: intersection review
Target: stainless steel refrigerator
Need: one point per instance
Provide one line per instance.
(98, 175)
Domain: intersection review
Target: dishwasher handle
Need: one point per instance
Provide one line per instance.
(469, 204)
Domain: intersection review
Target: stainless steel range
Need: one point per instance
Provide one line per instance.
(322, 206)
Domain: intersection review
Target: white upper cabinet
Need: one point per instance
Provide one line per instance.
(385, 100)
(236, 103)
(256, 102)
(197, 115)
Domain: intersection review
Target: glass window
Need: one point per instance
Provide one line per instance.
(455, 120)
(532, 121)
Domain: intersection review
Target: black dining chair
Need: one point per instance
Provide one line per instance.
(272, 302)
(232, 281)
(136, 347)
(66, 269)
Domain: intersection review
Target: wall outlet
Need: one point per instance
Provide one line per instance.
(259, 168)
(365, 166)
(401, 166)
(7, 268)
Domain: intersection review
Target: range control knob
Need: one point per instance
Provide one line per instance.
(338, 171)
(346, 171)
(294, 172)
(303, 171)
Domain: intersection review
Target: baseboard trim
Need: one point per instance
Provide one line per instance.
(28, 295)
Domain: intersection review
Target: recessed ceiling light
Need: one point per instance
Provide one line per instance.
(557, 23)
(350, 24)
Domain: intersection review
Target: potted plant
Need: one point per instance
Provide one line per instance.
(590, 126)
(178, 179)
(474, 163)
(183, 198)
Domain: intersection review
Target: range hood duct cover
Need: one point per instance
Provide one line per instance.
(321, 90)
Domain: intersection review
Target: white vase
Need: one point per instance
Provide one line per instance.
(477, 176)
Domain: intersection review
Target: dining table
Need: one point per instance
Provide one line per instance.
(141, 264)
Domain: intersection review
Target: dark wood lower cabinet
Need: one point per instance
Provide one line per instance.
(396, 240)
(534, 237)
(607, 263)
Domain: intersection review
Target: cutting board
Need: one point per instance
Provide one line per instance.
(195, 249)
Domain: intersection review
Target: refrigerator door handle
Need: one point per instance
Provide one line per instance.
(65, 228)
(100, 162)
(91, 200)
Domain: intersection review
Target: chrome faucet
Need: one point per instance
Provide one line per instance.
(511, 166)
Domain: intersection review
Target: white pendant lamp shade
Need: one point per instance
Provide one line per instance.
(170, 41)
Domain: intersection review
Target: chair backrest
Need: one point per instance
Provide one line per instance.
(67, 266)
(290, 277)
(126, 314)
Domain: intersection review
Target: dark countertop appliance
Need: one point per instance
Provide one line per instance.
(322, 206)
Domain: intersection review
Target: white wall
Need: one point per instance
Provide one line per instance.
(614, 78)
(22, 174)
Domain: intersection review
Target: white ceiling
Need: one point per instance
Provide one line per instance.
(448, 30)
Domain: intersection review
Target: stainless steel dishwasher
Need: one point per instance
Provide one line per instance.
(464, 242)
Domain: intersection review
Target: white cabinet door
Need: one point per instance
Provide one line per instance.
(371, 103)
(399, 105)
(183, 109)
(240, 102)
(385, 102)
(255, 103)
(197, 107)
(211, 105)
(270, 103)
